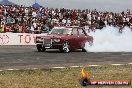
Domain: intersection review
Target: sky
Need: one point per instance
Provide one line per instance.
(101, 5)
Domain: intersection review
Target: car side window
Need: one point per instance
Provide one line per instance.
(81, 32)
(74, 31)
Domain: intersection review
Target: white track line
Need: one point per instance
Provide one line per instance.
(129, 63)
(34, 68)
(75, 66)
(117, 64)
(9, 69)
(94, 65)
(12, 69)
(58, 67)
(67, 67)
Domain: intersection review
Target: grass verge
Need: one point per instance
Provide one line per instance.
(63, 78)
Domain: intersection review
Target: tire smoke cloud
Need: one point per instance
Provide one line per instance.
(109, 39)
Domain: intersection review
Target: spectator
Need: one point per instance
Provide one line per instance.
(21, 19)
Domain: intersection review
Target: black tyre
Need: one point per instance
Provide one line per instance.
(40, 48)
(83, 50)
(90, 44)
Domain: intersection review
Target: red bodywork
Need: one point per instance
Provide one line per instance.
(76, 40)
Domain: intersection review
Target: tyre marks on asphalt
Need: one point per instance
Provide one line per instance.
(26, 56)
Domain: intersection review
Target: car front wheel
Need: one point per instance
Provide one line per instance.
(65, 48)
(40, 48)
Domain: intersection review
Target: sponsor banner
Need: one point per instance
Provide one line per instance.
(18, 38)
(86, 81)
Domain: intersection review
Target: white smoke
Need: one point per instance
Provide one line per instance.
(110, 40)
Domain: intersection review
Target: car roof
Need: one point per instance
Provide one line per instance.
(62, 27)
(73, 27)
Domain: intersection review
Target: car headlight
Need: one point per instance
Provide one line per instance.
(56, 40)
(39, 39)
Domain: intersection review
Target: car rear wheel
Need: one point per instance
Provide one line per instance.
(65, 48)
(84, 50)
(90, 44)
(40, 48)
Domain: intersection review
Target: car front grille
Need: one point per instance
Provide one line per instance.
(47, 41)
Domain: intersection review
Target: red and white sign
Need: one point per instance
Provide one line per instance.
(18, 38)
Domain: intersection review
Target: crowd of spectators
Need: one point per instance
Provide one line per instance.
(19, 19)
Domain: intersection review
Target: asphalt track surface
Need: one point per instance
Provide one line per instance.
(27, 57)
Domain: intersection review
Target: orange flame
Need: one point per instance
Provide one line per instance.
(84, 73)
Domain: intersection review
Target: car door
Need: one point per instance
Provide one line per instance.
(74, 38)
(82, 37)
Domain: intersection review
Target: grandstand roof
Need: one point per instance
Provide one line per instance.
(36, 5)
(6, 2)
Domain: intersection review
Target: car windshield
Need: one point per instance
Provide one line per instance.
(59, 31)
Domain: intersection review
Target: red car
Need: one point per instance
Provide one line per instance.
(64, 39)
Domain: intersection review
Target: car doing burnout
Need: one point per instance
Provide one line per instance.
(64, 39)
